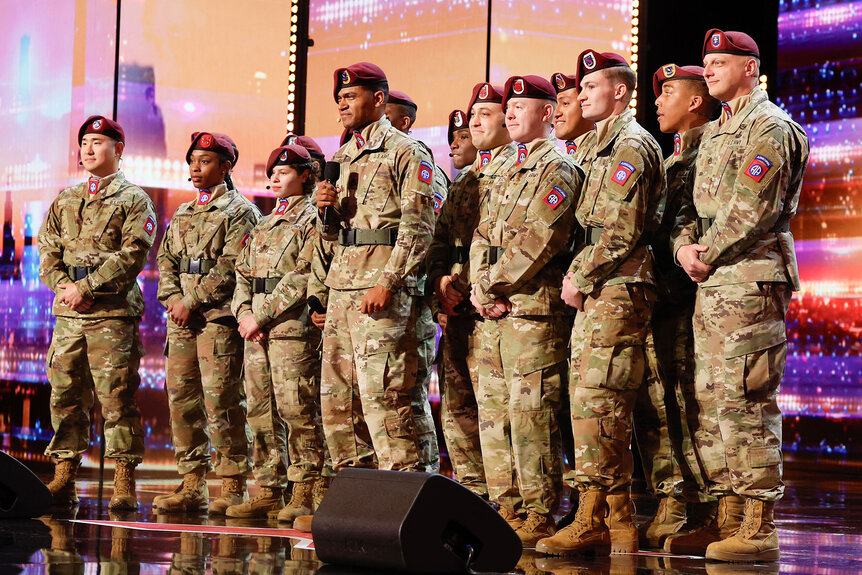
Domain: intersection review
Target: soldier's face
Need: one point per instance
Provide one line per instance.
(286, 181)
(597, 96)
(397, 117)
(462, 148)
(672, 105)
(206, 169)
(487, 126)
(726, 75)
(358, 106)
(100, 154)
(568, 120)
(527, 118)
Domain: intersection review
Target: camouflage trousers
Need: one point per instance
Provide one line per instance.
(608, 366)
(426, 332)
(459, 412)
(101, 357)
(206, 398)
(521, 371)
(282, 386)
(740, 346)
(367, 378)
(665, 411)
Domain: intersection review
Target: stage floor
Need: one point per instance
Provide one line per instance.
(819, 520)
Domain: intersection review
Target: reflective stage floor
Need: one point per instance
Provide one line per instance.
(819, 520)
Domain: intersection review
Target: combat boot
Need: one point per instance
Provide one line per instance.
(587, 533)
(668, 519)
(621, 523)
(62, 487)
(755, 540)
(233, 492)
(267, 499)
(125, 498)
(318, 492)
(535, 527)
(512, 517)
(301, 503)
(191, 495)
(726, 522)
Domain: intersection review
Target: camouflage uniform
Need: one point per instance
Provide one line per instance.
(282, 372)
(528, 215)
(746, 190)
(370, 362)
(459, 344)
(618, 208)
(100, 240)
(665, 404)
(204, 359)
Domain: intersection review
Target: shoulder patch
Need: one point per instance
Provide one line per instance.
(623, 172)
(426, 172)
(150, 225)
(758, 168)
(555, 197)
(438, 202)
(245, 239)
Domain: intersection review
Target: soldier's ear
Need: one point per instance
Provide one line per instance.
(694, 103)
(118, 149)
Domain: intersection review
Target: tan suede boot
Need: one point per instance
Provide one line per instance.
(191, 495)
(301, 503)
(726, 522)
(587, 533)
(513, 518)
(621, 523)
(535, 527)
(318, 492)
(125, 498)
(755, 540)
(266, 500)
(233, 492)
(668, 519)
(62, 487)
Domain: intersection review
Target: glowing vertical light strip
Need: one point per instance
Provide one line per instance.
(291, 86)
(633, 104)
(763, 82)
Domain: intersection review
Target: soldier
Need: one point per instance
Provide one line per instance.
(738, 247)
(664, 435)
(310, 146)
(282, 357)
(92, 246)
(569, 122)
(386, 220)
(516, 259)
(401, 112)
(448, 261)
(611, 283)
(204, 348)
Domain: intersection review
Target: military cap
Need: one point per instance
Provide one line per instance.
(306, 142)
(720, 42)
(590, 61)
(101, 125)
(674, 72)
(485, 92)
(402, 99)
(361, 74)
(563, 82)
(289, 155)
(528, 86)
(457, 121)
(221, 144)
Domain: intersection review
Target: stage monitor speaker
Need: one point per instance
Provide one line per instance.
(22, 494)
(412, 522)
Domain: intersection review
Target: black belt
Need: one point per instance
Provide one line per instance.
(199, 266)
(459, 254)
(80, 272)
(263, 285)
(386, 237)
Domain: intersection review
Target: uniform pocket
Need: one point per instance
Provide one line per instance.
(756, 357)
(379, 186)
(109, 230)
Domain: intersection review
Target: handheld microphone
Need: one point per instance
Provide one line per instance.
(268, 187)
(451, 156)
(315, 305)
(331, 172)
(190, 179)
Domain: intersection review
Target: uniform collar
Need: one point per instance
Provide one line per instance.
(293, 206)
(368, 138)
(207, 198)
(505, 149)
(689, 142)
(107, 185)
(608, 129)
(739, 109)
(536, 150)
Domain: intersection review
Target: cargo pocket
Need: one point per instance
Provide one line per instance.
(615, 357)
(536, 374)
(381, 359)
(401, 425)
(755, 357)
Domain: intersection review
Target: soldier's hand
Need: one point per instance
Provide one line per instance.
(501, 307)
(327, 195)
(572, 295)
(249, 330)
(689, 258)
(475, 301)
(73, 298)
(448, 294)
(318, 319)
(179, 313)
(376, 300)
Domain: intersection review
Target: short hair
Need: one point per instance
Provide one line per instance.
(711, 106)
(313, 167)
(408, 111)
(380, 86)
(623, 75)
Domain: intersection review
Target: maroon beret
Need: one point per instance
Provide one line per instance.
(738, 43)
(457, 121)
(361, 74)
(286, 156)
(590, 61)
(563, 82)
(485, 92)
(402, 99)
(221, 144)
(674, 72)
(101, 125)
(528, 86)
(306, 142)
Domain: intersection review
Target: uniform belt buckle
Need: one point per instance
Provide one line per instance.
(194, 266)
